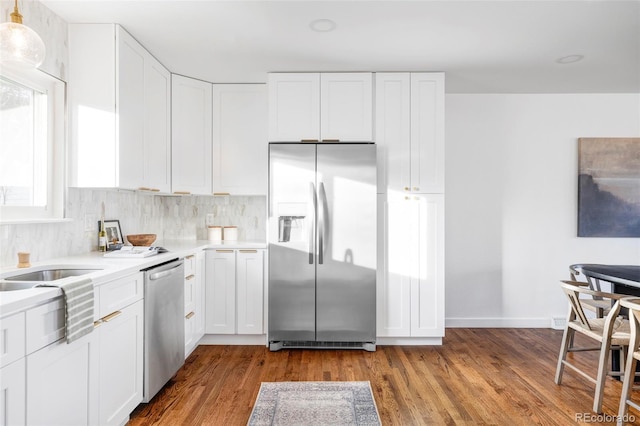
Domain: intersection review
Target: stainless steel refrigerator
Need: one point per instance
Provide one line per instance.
(322, 245)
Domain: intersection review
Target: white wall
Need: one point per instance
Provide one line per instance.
(511, 202)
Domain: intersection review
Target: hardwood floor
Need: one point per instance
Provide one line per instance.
(477, 377)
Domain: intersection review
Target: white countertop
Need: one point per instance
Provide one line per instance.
(109, 269)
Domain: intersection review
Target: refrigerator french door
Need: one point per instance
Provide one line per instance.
(322, 245)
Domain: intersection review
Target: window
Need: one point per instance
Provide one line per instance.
(31, 146)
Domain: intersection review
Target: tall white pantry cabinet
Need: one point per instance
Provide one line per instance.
(409, 132)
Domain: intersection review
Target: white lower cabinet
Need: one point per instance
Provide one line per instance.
(61, 378)
(120, 333)
(249, 291)
(62, 383)
(411, 265)
(193, 301)
(234, 291)
(96, 379)
(13, 393)
(121, 363)
(12, 370)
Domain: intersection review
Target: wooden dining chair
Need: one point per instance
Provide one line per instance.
(596, 304)
(633, 355)
(611, 332)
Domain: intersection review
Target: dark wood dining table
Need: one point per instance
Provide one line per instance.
(624, 279)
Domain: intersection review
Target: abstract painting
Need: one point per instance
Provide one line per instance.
(609, 187)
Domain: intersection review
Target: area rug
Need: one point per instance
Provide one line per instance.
(315, 403)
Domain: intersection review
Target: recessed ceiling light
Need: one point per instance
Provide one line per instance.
(570, 59)
(322, 25)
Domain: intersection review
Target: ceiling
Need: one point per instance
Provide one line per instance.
(482, 46)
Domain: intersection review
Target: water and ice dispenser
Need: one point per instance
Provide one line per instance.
(290, 228)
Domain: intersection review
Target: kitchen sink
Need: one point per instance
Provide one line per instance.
(50, 274)
(11, 286)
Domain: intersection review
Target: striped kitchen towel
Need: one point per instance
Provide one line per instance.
(78, 301)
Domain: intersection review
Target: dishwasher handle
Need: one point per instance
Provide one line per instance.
(162, 274)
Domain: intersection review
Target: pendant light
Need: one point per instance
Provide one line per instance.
(19, 44)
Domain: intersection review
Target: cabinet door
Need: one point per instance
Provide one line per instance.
(119, 293)
(250, 290)
(12, 338)
(157, 142)
(189, 283)
(220, 292)
(427, 285)
(189, 303)
(121, 364)
(294, 106)
(395, 265)
(427, 132)
(393, 135)
(189, 334)
(45, 324)
(199, 301)
(411, 278)
(91, 93)
(62, 383)
(239, 136)
(191, 144)
(346, 107)
(130, 113)
(13, 391)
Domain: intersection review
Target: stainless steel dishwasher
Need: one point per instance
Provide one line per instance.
(163, 325)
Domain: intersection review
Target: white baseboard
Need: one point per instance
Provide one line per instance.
(261, 340)
(234, 339)
(498, 322)
(408, 341)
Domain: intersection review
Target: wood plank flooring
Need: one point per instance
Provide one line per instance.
(477, 377)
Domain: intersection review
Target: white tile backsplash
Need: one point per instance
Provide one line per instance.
(171, 217)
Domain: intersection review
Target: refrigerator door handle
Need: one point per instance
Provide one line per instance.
(323, 223)
(311, 222)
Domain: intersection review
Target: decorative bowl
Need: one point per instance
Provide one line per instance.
(141, 240)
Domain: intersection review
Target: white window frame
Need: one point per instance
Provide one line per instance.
(56, 135)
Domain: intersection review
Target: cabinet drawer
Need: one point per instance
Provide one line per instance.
(12, 339)
(45, 324)
(189, 265)
(120, 293)
(189, 293)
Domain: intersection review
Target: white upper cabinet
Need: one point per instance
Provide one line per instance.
(393, 130)
(294, 106)
(239, 139)
(410, 132)
(119, 98)
(157, 146)
(320, 106)
(346, 107)
(130, 112)
(191, 129)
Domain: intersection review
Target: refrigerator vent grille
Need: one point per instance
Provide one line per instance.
(368, 346)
